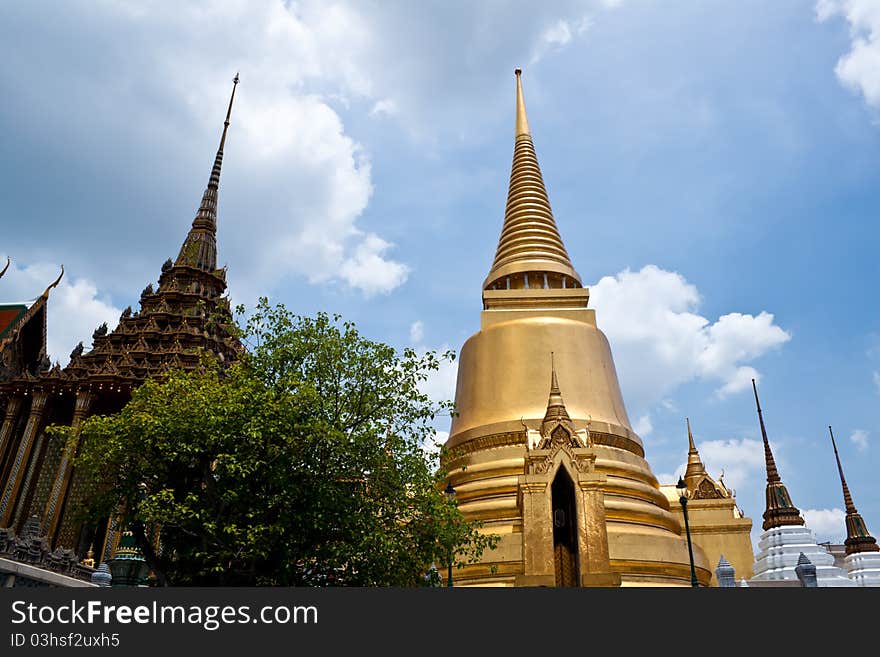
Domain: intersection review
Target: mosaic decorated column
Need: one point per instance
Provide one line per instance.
(61, 485)
(13, 406)
(19, 466)
(112, 539)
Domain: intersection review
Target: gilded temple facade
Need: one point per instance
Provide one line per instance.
(181, 318)
(565, 485)
(717, 523)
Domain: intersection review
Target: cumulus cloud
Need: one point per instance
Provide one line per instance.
(369, 271)
(660, 341)
(741, 460)
(416, 332)
(859, 69)
(75, 307)
(643, 425)
(829, 525)
(386, 106)
(295, 182)
(559, 34)
(860, 438)
(440, 385)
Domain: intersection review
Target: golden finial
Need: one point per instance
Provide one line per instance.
(555, 406)
(554, 382)
(228, 111)
(695, 469)
(55, 284)
(522, 121)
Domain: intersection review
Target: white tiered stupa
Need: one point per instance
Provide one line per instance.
(862, 552)
(785, 534)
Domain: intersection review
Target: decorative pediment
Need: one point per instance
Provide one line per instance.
(560, 435)
(708, 490)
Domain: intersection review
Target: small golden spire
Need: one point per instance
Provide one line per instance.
(6, 267)
(555, 406)
(530, 249)
(779, 509)
(695, 469)
(857, 537)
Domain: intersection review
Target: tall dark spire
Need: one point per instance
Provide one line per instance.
(200, 247)
(857, 537)
(779, 510)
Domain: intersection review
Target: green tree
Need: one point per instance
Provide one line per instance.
(300, 464)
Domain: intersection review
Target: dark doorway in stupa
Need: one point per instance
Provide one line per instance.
(564, 530)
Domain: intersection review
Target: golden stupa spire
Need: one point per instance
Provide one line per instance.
(779, 509)
(555, 406)
(857, 537)
(695, 469)
(530, 251)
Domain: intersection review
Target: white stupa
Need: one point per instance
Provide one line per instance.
(862, 553)
(786, 535)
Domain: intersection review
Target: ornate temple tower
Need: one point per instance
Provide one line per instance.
(566, 486)
(717, 524)
(186, 315)
(862, 559)
(786, 537)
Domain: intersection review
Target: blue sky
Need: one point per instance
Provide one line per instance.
(712, 166)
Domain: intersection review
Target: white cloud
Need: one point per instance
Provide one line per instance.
(431, 446)
(386, 106)
(860, 438)
(827, 524)
(559, 34)
(295, 183)
(440, 385)
(75, 307)
(877, 381)
(416, 332)
(665, 478)
(368, 271)
(643, 425)
(660, 342)
(741, 460)
(859, 69)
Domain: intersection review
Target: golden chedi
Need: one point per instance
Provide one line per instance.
(563, 481)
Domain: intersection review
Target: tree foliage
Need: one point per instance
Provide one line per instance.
(300, 464)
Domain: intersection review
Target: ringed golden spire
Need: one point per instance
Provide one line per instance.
(530, 250)
(695, 468)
